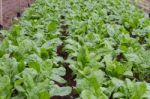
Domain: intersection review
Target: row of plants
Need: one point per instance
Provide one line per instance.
(29, 66)
(109, 49)
(107, 44)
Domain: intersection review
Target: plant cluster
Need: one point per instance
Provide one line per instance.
(107, 45)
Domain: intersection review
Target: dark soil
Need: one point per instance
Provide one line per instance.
(62, 53)
(18, 14)
(69, 77)
(1, 27)
(121, 57)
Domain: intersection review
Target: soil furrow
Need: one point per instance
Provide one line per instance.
(69, 77)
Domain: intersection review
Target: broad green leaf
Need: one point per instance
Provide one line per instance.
(52, 26)
(59, 71)
(35, 65)
(61, 91)
(19, 88)
(128, 73)
(21, 66)
(57, 78)
(139, 92)
(44, 95)
(118, 95)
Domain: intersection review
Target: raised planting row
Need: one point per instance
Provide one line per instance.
(109, 49)
(77, 49)
(29, 66)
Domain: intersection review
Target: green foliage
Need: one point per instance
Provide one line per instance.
(108, 46)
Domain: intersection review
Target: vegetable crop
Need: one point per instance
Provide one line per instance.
(77, 49)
